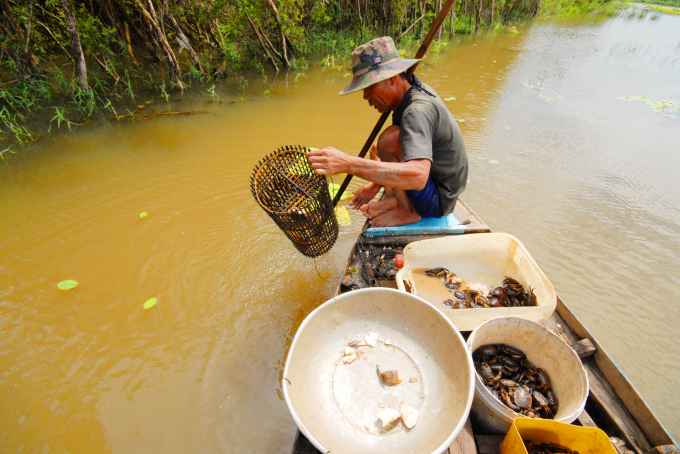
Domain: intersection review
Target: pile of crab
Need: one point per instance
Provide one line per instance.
(514, 381)
(476, 296)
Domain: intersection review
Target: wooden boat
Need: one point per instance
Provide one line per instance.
(614, 404)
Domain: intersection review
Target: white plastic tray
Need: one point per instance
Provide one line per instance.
(481, 257)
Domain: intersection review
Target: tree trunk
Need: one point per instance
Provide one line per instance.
(122, 29)
(24, 55)
(441, 29)
(78, 56)
(452, 32)
(126, 35)
(512, 7)
(143, 38)
(54, 38)
(213, 37)
(271, 46)
(493, 7)
(283, 36)
(181, 37)
(152, 20)
(266, 51)
(479, 14)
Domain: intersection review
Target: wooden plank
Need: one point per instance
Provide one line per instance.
(668, 449)
(465, 441)
(489, 444)
(654, 430)
(603, 393)
(585, 420)
(584, 348)
(463, 213)
(606, 396)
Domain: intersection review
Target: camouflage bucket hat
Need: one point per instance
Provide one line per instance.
(374, 62)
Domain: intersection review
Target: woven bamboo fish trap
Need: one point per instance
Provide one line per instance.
(298, 200)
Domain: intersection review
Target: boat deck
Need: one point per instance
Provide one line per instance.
(613, 405)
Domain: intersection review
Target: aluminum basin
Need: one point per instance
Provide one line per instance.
(336, 405)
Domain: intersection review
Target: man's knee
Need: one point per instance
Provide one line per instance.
(389, 144)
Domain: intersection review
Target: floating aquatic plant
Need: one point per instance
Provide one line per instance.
(528, 85)
(143, 214)
(657, 106)
(67, 284)
(450, 98)
(150, 303)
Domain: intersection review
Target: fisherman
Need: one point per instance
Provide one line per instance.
(420, 160)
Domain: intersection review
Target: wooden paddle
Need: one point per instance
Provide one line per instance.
(421, 52)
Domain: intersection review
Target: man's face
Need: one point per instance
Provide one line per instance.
(380, 95)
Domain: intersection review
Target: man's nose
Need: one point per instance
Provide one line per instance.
(366, 94)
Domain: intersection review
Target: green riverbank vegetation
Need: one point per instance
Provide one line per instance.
(64, 62)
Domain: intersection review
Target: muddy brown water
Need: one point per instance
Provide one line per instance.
(586, 181)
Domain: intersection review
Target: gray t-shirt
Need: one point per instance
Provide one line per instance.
(429, 131)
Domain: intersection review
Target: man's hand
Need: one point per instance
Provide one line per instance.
(364, 195)
(329, 161)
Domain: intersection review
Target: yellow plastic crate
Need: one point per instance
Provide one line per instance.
(585, 440)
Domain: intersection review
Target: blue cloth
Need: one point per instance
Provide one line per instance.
(426, 200)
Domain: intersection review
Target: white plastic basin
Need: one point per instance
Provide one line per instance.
(482, 257)
(336, 405)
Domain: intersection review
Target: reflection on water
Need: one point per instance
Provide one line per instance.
(587, 181)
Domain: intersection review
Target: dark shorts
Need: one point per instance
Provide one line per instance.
(426, 200)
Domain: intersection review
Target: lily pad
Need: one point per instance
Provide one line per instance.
(143, 214)
(67, 284)
(493, 161)
(450, 98)
(460, 120)
(150, 303)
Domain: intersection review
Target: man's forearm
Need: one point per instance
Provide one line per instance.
(397, 175)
